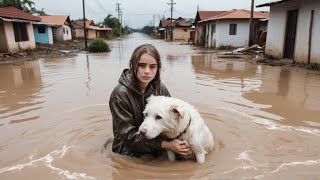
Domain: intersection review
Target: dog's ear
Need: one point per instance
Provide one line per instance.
(177, 111)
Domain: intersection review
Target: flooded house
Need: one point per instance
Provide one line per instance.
(16, 30)
(43, 32)
(179, 30)
(163, 24)
(293, 30)
(61, 30)
(93, 31)
(230, 29)
(198, 38)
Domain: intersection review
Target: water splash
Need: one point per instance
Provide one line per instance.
(47, 160)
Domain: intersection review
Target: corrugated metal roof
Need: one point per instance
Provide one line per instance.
(15, 13)
(57, 19)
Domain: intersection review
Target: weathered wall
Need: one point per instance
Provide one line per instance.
(277, 30)
(179, 33)
(14, 46)
(224, 39)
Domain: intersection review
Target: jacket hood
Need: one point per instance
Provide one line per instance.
(125, 80)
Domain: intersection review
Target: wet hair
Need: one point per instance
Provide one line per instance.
(134, 61)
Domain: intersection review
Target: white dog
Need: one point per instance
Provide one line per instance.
(177, 119)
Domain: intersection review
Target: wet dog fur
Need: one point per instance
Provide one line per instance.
(173, 117)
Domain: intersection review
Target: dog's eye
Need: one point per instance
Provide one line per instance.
(145, 114)
(158, 117)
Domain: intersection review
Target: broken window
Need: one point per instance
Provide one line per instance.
(233, 29)
(41, 29)
(20, 31)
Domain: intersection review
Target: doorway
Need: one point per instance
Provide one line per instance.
(3, 42)
(292, 19)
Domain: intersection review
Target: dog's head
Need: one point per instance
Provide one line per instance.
(161, 115)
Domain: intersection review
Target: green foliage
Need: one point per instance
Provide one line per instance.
(98, 45)
(314, 66)
(24, 5)
(147, 30)
(113, 23)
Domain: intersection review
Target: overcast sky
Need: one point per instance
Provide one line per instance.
(138, 13)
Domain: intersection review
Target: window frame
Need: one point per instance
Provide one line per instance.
(233, 28)
(20, 31)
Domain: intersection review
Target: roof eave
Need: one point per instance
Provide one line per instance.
(271, 3)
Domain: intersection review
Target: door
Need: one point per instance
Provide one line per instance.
(3, 42)
(292, 18)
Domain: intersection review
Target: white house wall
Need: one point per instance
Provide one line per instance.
(14, 46)
(224, 39)
(277, 29)
(67, 35)
(50, 35)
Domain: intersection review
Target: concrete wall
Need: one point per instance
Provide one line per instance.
(277, 30)
(63, 33)
(179, 33)
(224, 39)
(92, 34)
(79, 33)
(43, 38)
(14, 46)
(197, 35)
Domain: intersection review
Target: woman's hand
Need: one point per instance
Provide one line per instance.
(177, 146)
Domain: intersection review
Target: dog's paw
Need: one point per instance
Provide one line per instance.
(171, 156)
(200, 158)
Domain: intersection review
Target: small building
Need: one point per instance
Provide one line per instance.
(43, 32)
(162, 27)
(293, 30)
(179, 30)
(16, 30)
(92, 30)
(199, 29)
(230, 29)
(61, 30)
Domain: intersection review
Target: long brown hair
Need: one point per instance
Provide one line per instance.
(135, 58)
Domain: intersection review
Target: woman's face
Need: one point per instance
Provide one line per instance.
(147, 69)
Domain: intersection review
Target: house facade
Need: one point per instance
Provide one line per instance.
(179, 30)
(162, 28)
(92, 30)
(43, 33)
(61, 30)
(293, 30)
(16, 30)
(199, 29)
(229, 29)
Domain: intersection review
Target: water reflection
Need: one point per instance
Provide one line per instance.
(293, 95)
(20, 89)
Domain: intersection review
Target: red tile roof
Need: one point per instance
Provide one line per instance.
(15, 13)
(58, 20)
(165, 22)
(208, 14)
(239, 14)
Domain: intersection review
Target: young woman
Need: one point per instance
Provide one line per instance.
(128, 101)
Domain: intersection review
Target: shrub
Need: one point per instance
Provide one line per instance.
(98, 45)
(314, 66)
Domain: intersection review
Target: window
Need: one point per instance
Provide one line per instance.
(20, 31)
(213, 28)
(41, 29)
(64, 31)
(233, 29)
(185, 30)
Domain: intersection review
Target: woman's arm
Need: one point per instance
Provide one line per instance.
(177, 146)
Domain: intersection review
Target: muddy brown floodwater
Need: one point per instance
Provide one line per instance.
(55, 119)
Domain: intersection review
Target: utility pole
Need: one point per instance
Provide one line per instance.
(84, 26)
(251, 24)
(119, 17)
(171, 28)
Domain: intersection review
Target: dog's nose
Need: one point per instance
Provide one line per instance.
(142, 131)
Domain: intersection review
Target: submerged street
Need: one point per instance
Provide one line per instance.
(55, 122)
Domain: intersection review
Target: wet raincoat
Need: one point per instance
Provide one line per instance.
(126, 105)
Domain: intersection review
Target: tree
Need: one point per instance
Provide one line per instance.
(113, 23)
(24, 5)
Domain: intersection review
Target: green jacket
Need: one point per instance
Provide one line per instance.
(126, 105)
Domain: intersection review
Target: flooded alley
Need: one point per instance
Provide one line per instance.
(55, 122)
